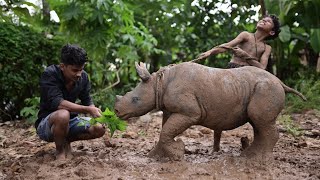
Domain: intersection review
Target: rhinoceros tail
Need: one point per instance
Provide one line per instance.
(290, 90)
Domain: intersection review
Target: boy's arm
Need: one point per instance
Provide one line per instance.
(263, 60)
(216, 50)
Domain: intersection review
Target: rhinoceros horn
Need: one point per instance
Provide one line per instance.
(142, 71)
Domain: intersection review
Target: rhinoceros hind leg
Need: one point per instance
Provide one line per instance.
(216, 142)
(263, 109)
(167, 147)
(263, 143)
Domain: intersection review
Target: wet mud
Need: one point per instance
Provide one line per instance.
(124, 156)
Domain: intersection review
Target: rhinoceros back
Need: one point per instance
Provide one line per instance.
(222, 94)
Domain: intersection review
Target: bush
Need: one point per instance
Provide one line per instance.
(24, 54)
(30, 112)
(288, 124)
(309, 86)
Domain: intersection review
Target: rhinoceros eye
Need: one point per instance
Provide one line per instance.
(135, 99)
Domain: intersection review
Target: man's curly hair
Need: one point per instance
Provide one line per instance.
(73, 55)
(276, 26)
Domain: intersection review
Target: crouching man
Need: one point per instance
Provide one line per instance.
(61, 85)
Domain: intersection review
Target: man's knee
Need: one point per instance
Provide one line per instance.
(97, 130)
(60, 117)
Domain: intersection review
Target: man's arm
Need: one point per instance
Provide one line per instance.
(73, 107)
(216, 50)
(54, 97)
(263, 60)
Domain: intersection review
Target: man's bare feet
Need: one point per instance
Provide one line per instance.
(60, 156)
(68, 150)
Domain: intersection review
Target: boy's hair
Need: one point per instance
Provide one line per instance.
(73, 55)
(276, 26)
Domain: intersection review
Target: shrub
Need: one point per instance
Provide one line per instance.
(24, 54)
(30, 112)
(309, 86)
(290, 126)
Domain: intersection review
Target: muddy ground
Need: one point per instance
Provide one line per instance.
(124, 156)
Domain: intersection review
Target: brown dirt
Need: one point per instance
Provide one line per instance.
(24, 156)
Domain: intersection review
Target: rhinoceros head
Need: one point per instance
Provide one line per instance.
(140, 100)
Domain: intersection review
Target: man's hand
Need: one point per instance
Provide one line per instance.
(94, 111)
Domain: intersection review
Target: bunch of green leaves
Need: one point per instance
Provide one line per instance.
(109, 119)
(30, 111)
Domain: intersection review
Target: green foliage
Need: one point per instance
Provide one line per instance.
(14, 12)
(30, 112)
(309, 86)
(109, 32)
(290, 126)
(118, 33)
(315, 39)
(110, 119)
(300, 33)
(106, 97)
(24, 54)
(184, 28)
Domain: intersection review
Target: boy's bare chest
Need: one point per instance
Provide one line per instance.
(252, 48)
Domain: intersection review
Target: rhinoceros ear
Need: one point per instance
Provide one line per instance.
(142, 71)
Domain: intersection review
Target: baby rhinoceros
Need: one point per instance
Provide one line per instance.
(219, 99)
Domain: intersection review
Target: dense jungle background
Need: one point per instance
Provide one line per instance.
(118, 33)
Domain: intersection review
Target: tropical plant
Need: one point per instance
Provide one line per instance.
(300, 35)
(109, 119)
(31, 109)
(24, 54)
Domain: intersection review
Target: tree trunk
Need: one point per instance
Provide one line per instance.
(263, 8)
(45, 12)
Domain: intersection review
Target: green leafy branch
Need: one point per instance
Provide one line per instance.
(109, 119)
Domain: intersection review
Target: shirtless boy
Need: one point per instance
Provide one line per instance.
(251, 43)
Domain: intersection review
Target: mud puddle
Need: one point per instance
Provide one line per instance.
(124, 156)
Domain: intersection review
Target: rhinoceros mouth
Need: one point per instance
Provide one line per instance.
(124, 116)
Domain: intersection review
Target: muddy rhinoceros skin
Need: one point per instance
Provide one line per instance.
(219, 99)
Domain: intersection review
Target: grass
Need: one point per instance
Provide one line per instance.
(288, 124)
(310, 88)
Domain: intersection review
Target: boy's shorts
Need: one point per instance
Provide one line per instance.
(44, 128)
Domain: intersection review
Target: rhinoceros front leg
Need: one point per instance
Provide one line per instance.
(165, 117)
(167, 146)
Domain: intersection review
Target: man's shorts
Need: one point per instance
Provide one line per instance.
(44, 128)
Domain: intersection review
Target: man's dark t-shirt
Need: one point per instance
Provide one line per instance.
(53, 91)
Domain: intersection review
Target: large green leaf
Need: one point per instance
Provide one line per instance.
(315, 39)
(285, 33)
